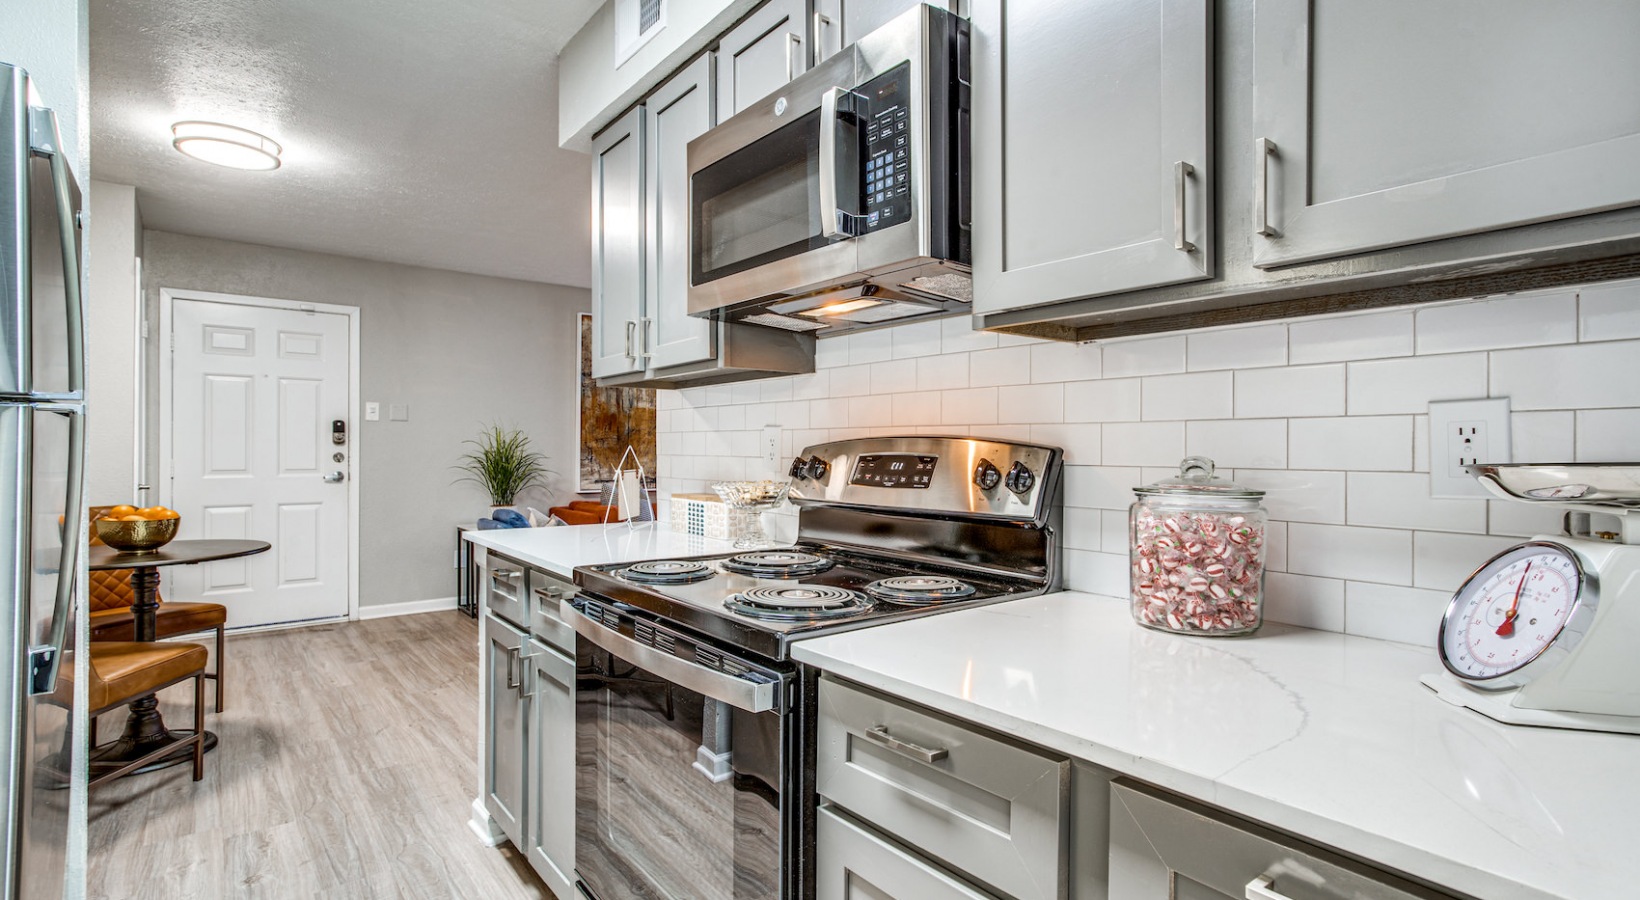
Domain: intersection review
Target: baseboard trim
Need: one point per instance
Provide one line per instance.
(407, 608)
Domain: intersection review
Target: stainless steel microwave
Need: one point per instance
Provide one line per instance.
(841, 201)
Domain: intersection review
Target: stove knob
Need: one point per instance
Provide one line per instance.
(799, 465)
(986, 475)
(818, 468)
(1021, 479)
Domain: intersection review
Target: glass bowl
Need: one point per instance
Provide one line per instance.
(747, 501)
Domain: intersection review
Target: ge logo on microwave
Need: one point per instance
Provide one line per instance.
(780, 106)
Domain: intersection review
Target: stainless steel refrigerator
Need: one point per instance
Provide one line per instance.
(42, 450)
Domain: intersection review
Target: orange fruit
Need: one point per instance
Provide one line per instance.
(132, 519)
(171, 514)
(121, 510)
(152, 512)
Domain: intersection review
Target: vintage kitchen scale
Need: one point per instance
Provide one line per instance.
(1547, 633)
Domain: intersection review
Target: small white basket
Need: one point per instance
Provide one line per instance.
(700, 514)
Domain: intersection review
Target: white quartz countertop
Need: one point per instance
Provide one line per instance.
(560, 549)
(1325, 735)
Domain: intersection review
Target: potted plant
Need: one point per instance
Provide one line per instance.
(503, 464)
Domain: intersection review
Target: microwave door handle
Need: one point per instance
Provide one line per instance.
(45, 661)
(835, 222)
(46, 141)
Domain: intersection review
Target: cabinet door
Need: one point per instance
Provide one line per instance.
(552, 767)
(1170, 849)
(853, 863)
(1400, 121)
(761, 54)
(617, 246)
(504, 727)
(679, 111)
(1092, 165)
(839, 23)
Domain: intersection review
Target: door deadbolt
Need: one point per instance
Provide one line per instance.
(337, 457)
(338, 432)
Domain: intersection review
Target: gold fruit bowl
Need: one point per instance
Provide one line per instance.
(145, 536)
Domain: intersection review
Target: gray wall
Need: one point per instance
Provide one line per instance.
(114, 242)
(49, 39)
(460, 350)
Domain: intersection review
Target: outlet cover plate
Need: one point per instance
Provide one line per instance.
(1465, 432)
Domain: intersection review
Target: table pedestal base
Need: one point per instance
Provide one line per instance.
(145, 732)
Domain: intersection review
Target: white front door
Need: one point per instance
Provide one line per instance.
(254, 395)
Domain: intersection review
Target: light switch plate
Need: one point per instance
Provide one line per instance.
(1465, 433)
(372, 412)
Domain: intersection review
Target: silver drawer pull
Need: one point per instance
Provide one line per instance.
(878, 734)
(1264, 888)
(1181, 173)
(1263, 149)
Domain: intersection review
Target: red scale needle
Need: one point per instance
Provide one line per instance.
(1508, 626)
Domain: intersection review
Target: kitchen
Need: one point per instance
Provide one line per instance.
(1305, 267)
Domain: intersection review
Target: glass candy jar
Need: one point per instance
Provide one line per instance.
(1197, 554)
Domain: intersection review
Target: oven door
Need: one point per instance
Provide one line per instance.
(680, 775)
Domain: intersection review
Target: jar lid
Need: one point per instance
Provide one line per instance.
(1196, 477)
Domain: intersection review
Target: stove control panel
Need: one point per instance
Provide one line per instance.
(987, 475)
(928, 475)
(894, 470)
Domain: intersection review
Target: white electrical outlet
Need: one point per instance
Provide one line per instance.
(1465, 433)
(771, 443)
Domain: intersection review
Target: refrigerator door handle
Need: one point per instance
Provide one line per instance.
(45, 660)
(47, 142)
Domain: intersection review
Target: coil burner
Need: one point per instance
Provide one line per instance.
(798, 603)
(919, 590)
(777, 564)
(666, 571)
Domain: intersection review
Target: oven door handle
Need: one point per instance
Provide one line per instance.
(836, 223)
(741, 693)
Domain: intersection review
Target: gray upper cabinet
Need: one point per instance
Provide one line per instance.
(839, 23)
(679, 111)
(1387, 123)
(1092, 139)
(760, 54)
(618, 246)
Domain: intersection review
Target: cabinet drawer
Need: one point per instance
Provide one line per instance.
(984, 806)
(547, 590)
(1167, 847)
(855, 864)
(506, 590)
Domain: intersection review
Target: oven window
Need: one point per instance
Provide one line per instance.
(677, 795)
(758, 204)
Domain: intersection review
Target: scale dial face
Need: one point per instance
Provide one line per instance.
(1510, 611)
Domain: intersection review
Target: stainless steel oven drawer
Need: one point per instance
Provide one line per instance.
(547, 590)
(506, 589)
(982, 805)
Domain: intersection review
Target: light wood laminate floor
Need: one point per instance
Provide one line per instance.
(346, 769)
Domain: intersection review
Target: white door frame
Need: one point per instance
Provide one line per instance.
(167, 299)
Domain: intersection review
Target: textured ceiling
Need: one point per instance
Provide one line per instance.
(415, 131)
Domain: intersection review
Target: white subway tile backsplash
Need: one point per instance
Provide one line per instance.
(1079, 440)
(1019, 433)
(1096, 573)
(1442, 561)
(850, 381)
(776, 389)
(744, 392)
(1065, 362)
(831, 353)
(920, 408)
(1524, 320)
(1143, 443)
(1304, 601)
(1408, 615)
(1420, 443)
(1380, 555)
(1275, 546)
(1402, 500)
(1372, 443)
(1103, 401)
(957, 335)
(1101, 487)
(1003, 365)
(1610, 311)
(1150, 356)
(916, 339)
(1341, 338)
(893, 376)
(1113, 531)
(1239, 443)
(870, 346)
(974, 406)
(1389, 386)
(1608, 435)
(1031, 403)
(1516, 519)
(1580, 376)
(811, 387)
(732, 418)
(1199, 395)
(1298, 496)
(1082, 529)
(1542, 437)
(864, 412)
(941, 373)
(1290, 391)
(1237, 348)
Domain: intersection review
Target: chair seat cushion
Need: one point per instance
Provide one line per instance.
(172, 618)
(127, 669)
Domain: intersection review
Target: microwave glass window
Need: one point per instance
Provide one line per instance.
(760, 203)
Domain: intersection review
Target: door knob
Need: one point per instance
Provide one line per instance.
(334, 477)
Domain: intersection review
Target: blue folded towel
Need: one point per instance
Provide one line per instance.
(511, 518)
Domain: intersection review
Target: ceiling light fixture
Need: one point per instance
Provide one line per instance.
(225, 145)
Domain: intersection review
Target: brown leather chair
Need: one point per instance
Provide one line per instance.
(111, 618)
(122, 671)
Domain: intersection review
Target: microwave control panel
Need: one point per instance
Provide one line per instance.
(887, 157)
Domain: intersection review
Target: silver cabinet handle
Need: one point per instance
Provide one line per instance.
(821, 20)
(334, 477)
(794, 43)
(1264, 888)
(1181, 172)
(1264, 149)
(878, 734)
(645, 325)
(631, 326)
(513, 657)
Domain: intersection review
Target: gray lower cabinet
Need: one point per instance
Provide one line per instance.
(679, 111)
(1168, 848)
(995, 811)
(1092, 145)
(505, 726)
(763, 52)
(550, 770)
(856, 863)
(618, 246)
(1385, 123)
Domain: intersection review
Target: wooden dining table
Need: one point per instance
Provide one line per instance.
(145, 729)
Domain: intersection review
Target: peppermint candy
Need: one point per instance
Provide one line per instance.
(1197, 573)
